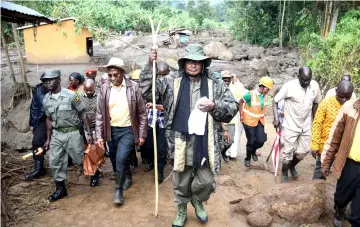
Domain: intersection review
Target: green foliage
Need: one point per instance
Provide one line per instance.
(123, 15)
(338, 53)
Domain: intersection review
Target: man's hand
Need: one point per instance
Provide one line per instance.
(314, 153)
(206, 105)
(90, 139)
(153, 54)
(100, 143)
(325, 173)
(141, 141)
(276, 123)
(226, 136)
(47, 144)
(149, 105)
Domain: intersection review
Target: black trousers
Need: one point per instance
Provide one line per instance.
(161, 147)
(348, 190)
(256, 137)
(39, 138)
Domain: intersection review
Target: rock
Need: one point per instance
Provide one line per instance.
(293, 71)
(22, 141)
(276, 51)
(19, 117)
(226, 55)
(255, 64)
(214, 48)
(255, 52)
(240, 57)
(301, 203)
(259, 219)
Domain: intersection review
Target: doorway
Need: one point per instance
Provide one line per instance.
(89, 46)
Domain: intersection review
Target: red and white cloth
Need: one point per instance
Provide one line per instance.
(276, 152)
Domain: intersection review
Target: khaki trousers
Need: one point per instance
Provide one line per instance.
(192, 183)
(294, 144)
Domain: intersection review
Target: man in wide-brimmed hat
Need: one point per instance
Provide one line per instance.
(197, 157)
(121, 121)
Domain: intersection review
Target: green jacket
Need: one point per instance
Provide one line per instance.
(167, 88)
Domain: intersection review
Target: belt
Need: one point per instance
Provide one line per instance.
(67, 129)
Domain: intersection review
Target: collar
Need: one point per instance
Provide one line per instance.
(258, 93)
(357, 104)
(298, 82)
(123, 84)
(62, 91)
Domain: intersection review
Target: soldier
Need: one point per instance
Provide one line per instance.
(63, 109)
(197, 157)
(38, 123)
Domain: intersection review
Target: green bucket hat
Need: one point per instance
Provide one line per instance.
(194, 52)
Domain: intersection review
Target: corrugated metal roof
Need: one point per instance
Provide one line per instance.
(12, 7)
(20, 9)
(30, 26)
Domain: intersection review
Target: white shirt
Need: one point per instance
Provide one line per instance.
(298, 103)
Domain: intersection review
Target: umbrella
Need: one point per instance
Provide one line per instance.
(275, 152)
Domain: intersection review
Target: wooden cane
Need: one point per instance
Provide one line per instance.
(154, 34)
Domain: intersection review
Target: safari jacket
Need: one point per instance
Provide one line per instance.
(341, 138)
(137, 109)
(167, 91)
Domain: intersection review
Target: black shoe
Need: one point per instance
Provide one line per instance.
(339, 217)
(60, 191)
(247, 163)
(70, 162)
(94, 180)
(149, 168)
(254, 157)
(284, 170)
(39, 170)
(120, 179)
(292, 168)
(128, 181)
(106, 153)
(160, 177)
(225, 157)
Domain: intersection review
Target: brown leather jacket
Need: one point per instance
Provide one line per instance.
(341, 137)
(137, 109)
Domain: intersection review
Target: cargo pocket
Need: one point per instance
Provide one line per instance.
(76, 147)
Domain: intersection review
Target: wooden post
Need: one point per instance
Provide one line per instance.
(21, 60)
(12, 75)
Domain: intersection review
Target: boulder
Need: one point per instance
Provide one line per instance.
(259, 219)
(22, 141)
(214, 48)
(226, 55)
(301, 203)
(240, 57)
(255, 52)
(19, 117)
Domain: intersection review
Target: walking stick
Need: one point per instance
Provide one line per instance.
(154, 34)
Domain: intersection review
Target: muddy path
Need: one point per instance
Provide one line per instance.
(86, 206)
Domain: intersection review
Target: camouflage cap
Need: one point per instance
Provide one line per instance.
(50, 74)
